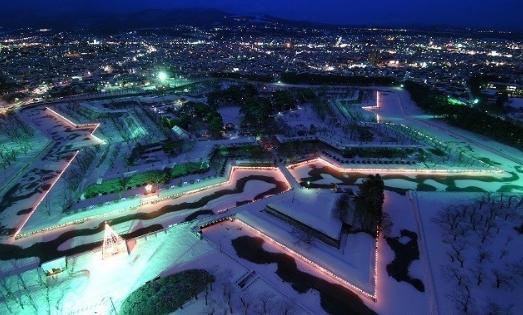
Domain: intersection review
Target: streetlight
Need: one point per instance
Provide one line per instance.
(163, 76)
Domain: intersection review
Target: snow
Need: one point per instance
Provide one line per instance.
(516, 102)
(397, 298)
(223, 233)
(91, 285)
(314, 208)
(400, 183)
(230, 114)
(439, 186)
(354, 266)
(429, 205)
(476, 183)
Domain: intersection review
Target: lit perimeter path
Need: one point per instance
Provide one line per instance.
(154, 206)
(394, 170)
(289, 177)
(410, 113)
(92, 127)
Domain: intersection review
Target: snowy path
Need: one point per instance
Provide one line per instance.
(291, 179)
(405, 104)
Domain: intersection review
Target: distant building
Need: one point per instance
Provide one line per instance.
(181, 133)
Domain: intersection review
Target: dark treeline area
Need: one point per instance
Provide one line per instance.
(193, 115)
(259, 110)
(465, 117)
(242, 76)
(309, 78)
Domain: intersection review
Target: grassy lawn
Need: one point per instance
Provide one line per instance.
(144, 178)
(165, 295)
(187, 168)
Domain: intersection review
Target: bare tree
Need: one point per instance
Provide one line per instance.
(227, 294)
(9, 295)
(502, 279)
(342, 207)
(25, 291)
(42, 278)
(456, 274)
(463, 300)
(285, 308)
(265, 299)
(496, 309)
(302, 236)
(245, 302)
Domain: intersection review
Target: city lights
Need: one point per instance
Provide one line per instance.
(243, 164)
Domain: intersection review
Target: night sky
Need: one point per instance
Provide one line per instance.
(501, 14)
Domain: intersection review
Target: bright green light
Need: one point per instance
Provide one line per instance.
(455, 101)
(476, 101)
(163, 76)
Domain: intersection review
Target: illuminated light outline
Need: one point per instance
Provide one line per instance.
(325, 270)
(42, 197)
(112, 243)
(377, 103)
(78, 126)
(341, 169)
(375, 107)
(439, 142)
(155, 199)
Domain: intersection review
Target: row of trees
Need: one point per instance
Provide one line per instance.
(225, 297)
(259, 111)
(192, 114)
(233, 95)
(367, 213)
(9, 88)
(17, 136)
(369, 203)
(480, 251)
(465, 117)
(243, 76)
(309, 78)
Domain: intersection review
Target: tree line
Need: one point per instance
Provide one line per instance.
(466, 117)
(259, 110)
(310, 78)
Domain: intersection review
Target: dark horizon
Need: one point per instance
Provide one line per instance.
(485, 14)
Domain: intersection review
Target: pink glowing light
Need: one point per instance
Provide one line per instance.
(68, 121)
(323, 270)
(42, 197)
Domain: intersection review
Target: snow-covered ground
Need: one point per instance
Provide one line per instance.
(314, 208)
(190, 194)
(397, 298)
(230, 114)
(501, 253)
(91, 284)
